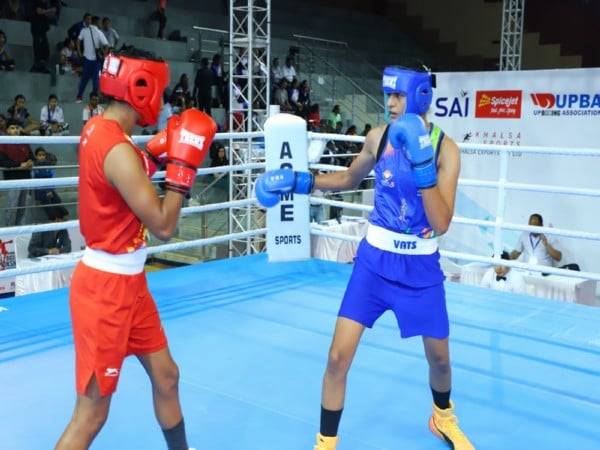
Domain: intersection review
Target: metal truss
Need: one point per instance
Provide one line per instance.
(511, 40)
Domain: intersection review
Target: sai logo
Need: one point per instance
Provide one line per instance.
(453, 107)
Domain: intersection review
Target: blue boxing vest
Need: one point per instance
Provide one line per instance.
(399, 208)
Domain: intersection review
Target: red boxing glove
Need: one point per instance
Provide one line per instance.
(155, 155)
(188, 138)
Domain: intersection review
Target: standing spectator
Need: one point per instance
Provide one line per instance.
(20, 157)
(111, 35)
(46, 195)
(75, 29)
(19, 113)
(51, 242)
(366, 130)
(203, 82)
(288, 72)
(161, 14)
(52, 119)
(42, 14)
(503, 278)
(182, 88)
(335, 118)
(92, 40)
(6, 61)
(12, 9)
(93, 108)
(276, 72)
(218, 80)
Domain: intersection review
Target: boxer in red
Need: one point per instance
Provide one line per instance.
(113, 313)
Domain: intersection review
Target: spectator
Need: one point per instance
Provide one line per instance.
(161, 15)
(219, 156)
(12, 9)
(166, 111)
(182, 88)
(294, 93)
(288, 72)
(45, 196)
(93, 108)
(2, 125)
(51, 242)
(111, 35)
(314, 118)
(503, 278)
(19, 157)
(19, 113)
(281, 96)
(75, 29)
(276, 72)
(218, 80)
(6, 61)
(93, 41)
(96, 21)
(52, 119)
(304, 94)
(69, 60)
(42, 14)
(366, 130)
(335, 117)
(538, 249)
(205, 78)
(317, 212)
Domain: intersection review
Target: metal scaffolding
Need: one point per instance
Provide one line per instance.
(249, 97)
(511, 40)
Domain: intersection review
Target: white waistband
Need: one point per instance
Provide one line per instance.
(122, 263)
(403, 244)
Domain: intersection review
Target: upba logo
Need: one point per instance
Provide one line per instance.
(549, 104)
(498, 104)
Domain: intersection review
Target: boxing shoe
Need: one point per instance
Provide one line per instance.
(444, 424)
(326, 442)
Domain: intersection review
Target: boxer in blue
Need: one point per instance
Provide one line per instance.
(397, 264)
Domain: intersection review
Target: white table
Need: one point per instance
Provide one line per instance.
(336, 249)
(557, 287)
(43, 281)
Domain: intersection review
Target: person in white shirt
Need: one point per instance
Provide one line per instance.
(276, 72)
(503, 278)
(93, 108)
(111, 35)
(536, 248)
(92, 40)
(52, 119)
(288, 72)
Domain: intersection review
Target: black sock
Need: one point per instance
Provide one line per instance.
(441, 399)
(175, 437)
(330, 421)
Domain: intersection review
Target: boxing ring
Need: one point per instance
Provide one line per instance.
(251, 338)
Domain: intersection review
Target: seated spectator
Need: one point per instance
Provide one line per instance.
(93, 108)
(538, 249)
(69, 60)
(110, 33)
(6, 61)
(294, 93)
(51, 242)
(281, 97)
(52, 119)
(349, 147)
(2, 125)
(19, 113)
(288, 71)
(314, 118)
(219, 156)
(166, 111)
(46, 195)
(304, 94)
(366, 130)
(335, 117)
(19, 158)
(182, 88)
(276, 72)
(503, 278)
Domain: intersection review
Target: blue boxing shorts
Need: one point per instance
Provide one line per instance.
(420, 311)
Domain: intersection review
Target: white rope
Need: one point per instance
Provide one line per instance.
(335, 137)
(475, 258)
(32, 183)
(54, 226)
(138, 139)
(530, 187)
(45, 267)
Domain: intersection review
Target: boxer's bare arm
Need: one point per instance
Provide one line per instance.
(123, 169)
(358, 170)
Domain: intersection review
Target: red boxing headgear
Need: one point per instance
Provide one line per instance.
(138, 82)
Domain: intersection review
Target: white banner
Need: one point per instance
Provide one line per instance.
(553, 108)
(286, 146)
(7, 261)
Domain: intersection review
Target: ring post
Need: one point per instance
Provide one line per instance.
(286, 147)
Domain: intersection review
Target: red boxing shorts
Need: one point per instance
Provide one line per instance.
(113, 316)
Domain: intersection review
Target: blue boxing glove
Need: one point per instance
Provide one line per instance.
(408, 132)
(272, 184)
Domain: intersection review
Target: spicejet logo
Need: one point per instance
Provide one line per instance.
(498, 104)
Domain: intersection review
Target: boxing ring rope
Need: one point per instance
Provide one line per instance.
(502, 185)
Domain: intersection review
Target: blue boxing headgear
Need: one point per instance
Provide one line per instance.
(416, 86)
